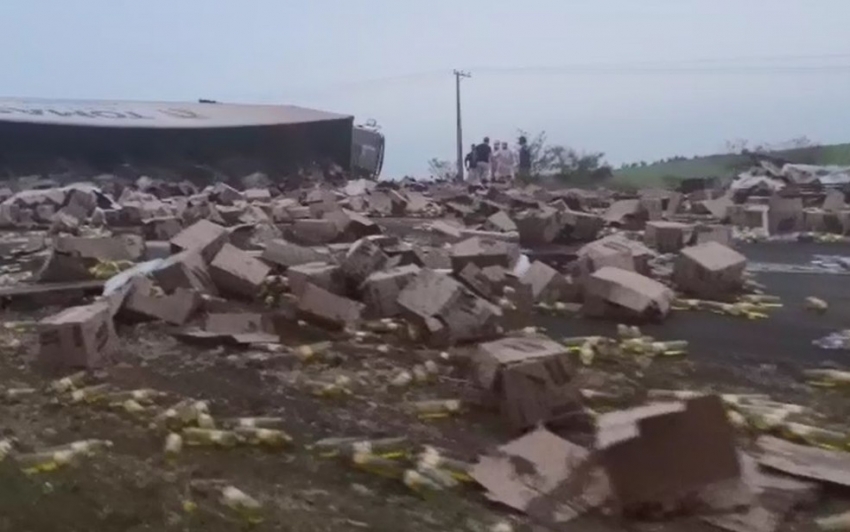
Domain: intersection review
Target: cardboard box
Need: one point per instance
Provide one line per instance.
(318, 305)
(500, 222)
(538, 226)
(483, 285)
(175, 308)
(547, 284)
(352, 226)
(663, 453)
(205, 236)
(667, 237)
(531, 378)
(544, 476)
(581, 226)
(615, 293)
(106, 248)
(626, 213)
(77, 337)
(436, 302)
(722, 234)
(709, 270)
(483, 252)
(311, 231)
(381, 290)
(237, 323)
(785, 215)
(238, 273)
(834, 201)
(287, 254)
(361, 260)
(164, 228)
(321, 274)
(186, 269)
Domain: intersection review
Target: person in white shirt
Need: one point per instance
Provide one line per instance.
(505, 163)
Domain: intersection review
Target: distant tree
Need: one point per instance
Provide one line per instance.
(441, 169)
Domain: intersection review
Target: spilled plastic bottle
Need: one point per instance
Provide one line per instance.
(433, 458)
(173, 445)
(308, 352)
(142, 395)
(836, 522)
(185, 412)
(377, 465)
(198, 437)
(272, 438)
(260, 422)
(13, 395)
(246, 507)
(338, 388)
(66, 384)
(437, 408)
(90, 394)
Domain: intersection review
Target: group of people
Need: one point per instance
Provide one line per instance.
(497, 163)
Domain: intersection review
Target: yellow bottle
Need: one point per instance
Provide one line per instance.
(173, 445)
(260, 422)
(382, 447)
(66, 384)
(142, 395)
(837, 522)
(308, 352)
(46, 461)
(421, 483)
(814, 436)
(432, 458)
(437, 408)
(377, 465)
(90, 394)
(16, 394)
(246, 507)
(206, 421)
(198, 437)
(183, 413)
(6, 447)
(263, 437)
(831, 377)
(338, 388)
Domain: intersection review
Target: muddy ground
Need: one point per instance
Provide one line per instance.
(133, 488)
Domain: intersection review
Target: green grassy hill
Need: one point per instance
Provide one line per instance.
(721, 165)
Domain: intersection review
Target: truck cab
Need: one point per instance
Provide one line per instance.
(367, 150)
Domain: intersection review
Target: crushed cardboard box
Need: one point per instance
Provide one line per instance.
(614, 292)
(709, 270)
(77, 337)
(665, 452)
(328, 309)
(544, 476)
(668, 237)
(237, 273)
(532, 379)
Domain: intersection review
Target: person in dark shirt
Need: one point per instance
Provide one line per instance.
(482, 159)
(469, 161)
(524, 165)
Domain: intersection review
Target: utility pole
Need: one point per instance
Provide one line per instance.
(459, 74)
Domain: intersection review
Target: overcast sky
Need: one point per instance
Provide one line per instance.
(637, 79)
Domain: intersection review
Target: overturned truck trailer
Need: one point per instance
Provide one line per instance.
(105, 134)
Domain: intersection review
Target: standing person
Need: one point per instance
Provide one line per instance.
(469, 162)
(506, 163)
(495, 157)
(482, 159)
(524, 158)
